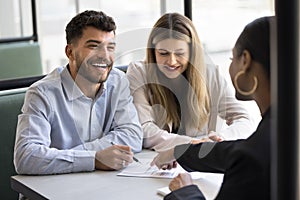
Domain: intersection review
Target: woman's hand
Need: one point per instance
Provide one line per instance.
(197, 141)
(215, 137)
(181, 180)
(165, 160)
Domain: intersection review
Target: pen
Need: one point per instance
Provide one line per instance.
(134, 158)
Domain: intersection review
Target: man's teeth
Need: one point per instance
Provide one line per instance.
(100, 65)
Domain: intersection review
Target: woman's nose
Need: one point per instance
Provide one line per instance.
(172, 59)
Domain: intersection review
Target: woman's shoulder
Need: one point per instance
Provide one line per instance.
(215, 78)
(137, 64)
(136, 73)
(213, 72)
(136, 68)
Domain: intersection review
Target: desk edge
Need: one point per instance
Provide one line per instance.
(26, 191)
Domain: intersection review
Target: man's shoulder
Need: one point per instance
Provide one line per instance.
(115, 75)
(51, 80)
(115, 71)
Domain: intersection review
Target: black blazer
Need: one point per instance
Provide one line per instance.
(245, 164)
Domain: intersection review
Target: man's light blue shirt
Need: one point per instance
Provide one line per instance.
(60, 129)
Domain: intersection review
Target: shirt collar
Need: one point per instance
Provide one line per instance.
(71, 89)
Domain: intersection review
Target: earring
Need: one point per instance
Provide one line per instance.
(245, 93)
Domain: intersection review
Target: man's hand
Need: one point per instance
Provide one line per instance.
(114, 157)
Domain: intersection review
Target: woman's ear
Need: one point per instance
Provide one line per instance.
(246, 60)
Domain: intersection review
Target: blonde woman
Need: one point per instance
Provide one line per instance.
(178, 97)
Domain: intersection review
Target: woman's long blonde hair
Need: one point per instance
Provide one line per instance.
(177, 26)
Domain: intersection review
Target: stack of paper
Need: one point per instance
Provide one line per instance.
(143, 169)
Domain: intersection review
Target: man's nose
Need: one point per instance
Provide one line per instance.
(102, 51)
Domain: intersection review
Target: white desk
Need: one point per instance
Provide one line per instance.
(102, 185)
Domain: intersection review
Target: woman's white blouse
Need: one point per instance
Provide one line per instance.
(237, 123)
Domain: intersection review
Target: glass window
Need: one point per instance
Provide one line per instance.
(219, 23)
(133, 19)
(16, 17)
(51, 25)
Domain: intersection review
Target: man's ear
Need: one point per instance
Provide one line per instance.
(69, 51)
(246, 60)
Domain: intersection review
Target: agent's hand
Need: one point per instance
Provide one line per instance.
(165, 160)
(181, 180)
(114, 157)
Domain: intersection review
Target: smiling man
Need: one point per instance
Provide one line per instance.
(71, 117)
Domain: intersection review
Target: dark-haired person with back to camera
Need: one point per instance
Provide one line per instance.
(245, 163)
(71, 117)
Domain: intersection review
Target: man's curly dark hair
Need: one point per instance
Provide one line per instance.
(98, 20)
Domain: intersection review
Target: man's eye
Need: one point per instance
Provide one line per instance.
(111, 48)
(93, 46)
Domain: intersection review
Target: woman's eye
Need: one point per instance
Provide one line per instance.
(163, 53)
(179, 54)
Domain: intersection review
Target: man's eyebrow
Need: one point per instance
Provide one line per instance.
(112, 43)
(93, 41)
(99, 42)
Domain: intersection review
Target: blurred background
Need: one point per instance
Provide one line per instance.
(218, 22)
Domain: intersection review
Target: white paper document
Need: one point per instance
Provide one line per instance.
(144, 169)
(163, 191)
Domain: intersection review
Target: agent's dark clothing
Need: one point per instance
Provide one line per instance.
(245, 164)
